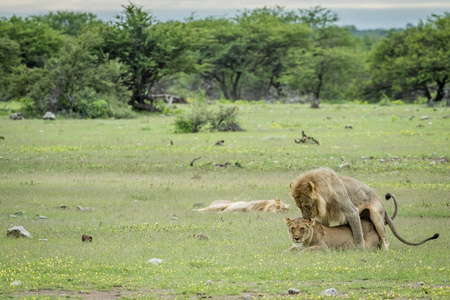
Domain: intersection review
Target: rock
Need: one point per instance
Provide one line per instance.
(49, 116)
(63, 206)
(19, 213)
(348, 127)
(330, 292)
(247, 297)
(84, 208)
(43, 240)
(421, 283)
(86, 238)
(292, 291)
(39, 217)
(424, 118)
(16, 283)
(17, 116)
(155, 261)
(346, 165)
(208, 282)
(18, 231)
(174, 218)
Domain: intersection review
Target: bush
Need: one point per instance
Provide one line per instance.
(201, 118)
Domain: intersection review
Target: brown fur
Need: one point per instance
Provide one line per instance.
(311, 235)
(331, 198)
(257, 205)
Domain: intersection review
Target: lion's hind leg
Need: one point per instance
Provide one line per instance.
(377, 219)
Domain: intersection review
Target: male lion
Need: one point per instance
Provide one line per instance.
(332, 198)
(256, 205)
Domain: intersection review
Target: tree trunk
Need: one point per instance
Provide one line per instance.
(235, 92)
(427, 93)
(440, 91)
(143, 106)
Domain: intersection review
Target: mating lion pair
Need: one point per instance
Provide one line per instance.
(324, 196)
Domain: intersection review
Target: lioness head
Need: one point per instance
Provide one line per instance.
(276, 206)
(299, 229)
(306, 198)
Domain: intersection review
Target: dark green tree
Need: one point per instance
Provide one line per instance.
(249, 49)
(416, 59)
(68, 22)
(332, 62)
(38, 41)
(150, 51)
(76, 83)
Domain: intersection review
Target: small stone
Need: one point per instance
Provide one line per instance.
(19, 213)
(49, 116)
(346, 165)
(16, 283)
(86, 238)
(18, 231)
(174, 218)
(382, 160)
(43, 240)
(348, 127)
(421, 283)
(84, 208)
(208, 282)
(12, 216)
(292, 291)
(39, 217)
(424, 118)
(17, 116)
(247, 297)
(330, 292)
(155, 261)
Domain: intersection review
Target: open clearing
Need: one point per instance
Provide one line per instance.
(142, 192)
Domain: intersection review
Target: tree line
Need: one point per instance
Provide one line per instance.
(75, 64)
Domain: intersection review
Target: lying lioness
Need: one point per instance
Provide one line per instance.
(257, 205)
(310, 235)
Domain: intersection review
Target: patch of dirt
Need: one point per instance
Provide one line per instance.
(94, 294)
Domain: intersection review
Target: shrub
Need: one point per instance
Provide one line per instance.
(201, 118)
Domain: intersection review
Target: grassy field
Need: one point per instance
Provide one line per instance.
(142, 193)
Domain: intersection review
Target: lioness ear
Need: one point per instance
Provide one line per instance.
(277, 200)
(311, 184)
(288, 221)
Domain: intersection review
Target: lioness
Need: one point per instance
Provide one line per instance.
(332, 198)
(257, 205)
(310, 235)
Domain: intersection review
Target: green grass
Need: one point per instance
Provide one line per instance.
(136, 184)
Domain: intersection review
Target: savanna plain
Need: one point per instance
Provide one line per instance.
(143, 191)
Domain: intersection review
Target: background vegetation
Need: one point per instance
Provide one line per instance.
(73, 64)
(143, 192)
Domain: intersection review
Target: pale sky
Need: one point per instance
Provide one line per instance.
(363, 13)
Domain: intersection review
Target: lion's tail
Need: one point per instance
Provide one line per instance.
(394, 231)
(389, 196)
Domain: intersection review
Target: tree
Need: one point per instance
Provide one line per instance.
(150, 51)
(68, 22)
(250, 48)
(416, 59)
(38, 42)
(9, 60)
(330, 64)
(76, 82)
